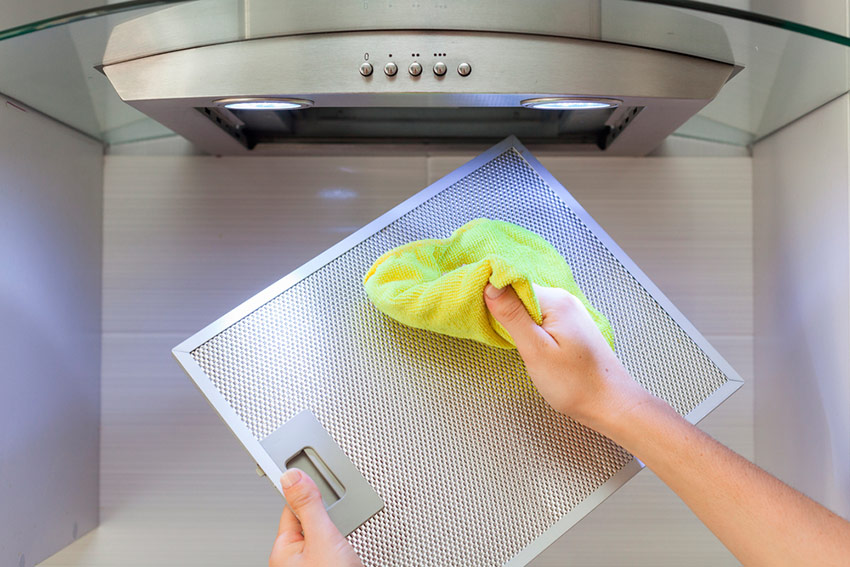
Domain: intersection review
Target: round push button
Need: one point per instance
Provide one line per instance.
(464, 69)
(390, 69)
(440, 68)
(365, 68)
(415, 69)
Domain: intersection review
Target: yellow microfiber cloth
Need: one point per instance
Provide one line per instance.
(438, 285)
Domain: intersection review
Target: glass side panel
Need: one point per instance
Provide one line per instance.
(81, 15)
(788, 69)
(54, 71)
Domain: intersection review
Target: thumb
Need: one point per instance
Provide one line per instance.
(509, 310)
(303, 497)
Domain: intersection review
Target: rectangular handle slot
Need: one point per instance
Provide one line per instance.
(309, 461)
(303, 443)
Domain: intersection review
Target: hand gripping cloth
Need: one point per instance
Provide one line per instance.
(438, 285)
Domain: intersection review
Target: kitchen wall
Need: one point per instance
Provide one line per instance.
(51, 190)
(50, 280)
(187, 238)
(802, 288)
(802, 305)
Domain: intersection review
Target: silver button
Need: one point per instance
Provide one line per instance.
(365, 69)
(464, 69)
(415, 69)
(390, 69)
(440, 68)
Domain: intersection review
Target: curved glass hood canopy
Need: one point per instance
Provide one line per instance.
(753, 74)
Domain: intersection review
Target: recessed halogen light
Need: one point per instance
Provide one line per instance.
(553, 103)
(264, 103)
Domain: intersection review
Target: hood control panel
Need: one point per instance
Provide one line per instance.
(415, 68)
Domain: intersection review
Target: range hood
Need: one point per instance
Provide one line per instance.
(292, 71)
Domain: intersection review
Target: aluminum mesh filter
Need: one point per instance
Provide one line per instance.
(471, 463)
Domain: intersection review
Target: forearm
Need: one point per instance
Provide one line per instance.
(760, 520)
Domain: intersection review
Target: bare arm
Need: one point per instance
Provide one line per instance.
(758, 518)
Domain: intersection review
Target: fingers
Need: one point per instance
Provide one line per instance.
(303, 498)
(508, 310)
(289, 530)
(563, 312)
(289, 541)
(556, 301)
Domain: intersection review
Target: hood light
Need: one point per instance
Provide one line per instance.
(552, 103)
(264, 103)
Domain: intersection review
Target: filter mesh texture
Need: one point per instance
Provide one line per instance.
(470, 461)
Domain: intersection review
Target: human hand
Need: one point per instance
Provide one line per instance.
(567, 357)
(307, 537)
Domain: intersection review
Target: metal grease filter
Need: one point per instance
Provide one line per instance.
(471, 463)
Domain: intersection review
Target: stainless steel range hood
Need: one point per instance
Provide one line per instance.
(448, 71)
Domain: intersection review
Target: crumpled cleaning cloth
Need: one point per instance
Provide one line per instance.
(438, 285)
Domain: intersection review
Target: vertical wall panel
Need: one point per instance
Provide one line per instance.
(802, 304)
(50, 280)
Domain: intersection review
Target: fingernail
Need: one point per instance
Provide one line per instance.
(493, 292)
(290, 478)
